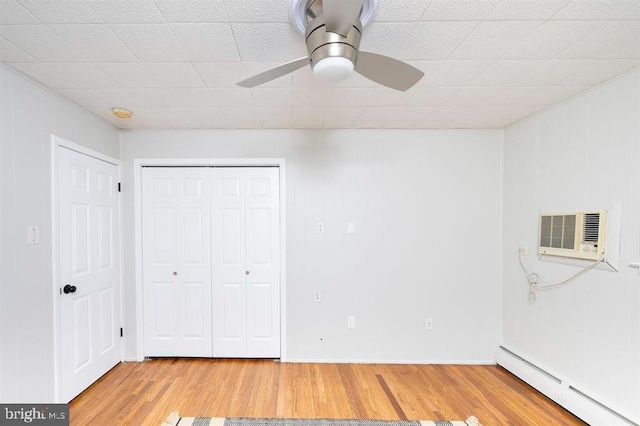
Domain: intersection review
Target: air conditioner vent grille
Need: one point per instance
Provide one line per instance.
(558, 231)
(591, 230)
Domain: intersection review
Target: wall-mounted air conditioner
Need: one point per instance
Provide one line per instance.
(577, 235)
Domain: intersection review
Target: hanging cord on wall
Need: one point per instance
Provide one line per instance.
(533, 278)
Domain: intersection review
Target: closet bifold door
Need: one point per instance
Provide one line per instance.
(176, 234)
(246, 262)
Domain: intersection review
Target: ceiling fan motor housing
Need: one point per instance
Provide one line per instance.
(322, 44)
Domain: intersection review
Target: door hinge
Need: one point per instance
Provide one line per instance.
(119, 187)
(121, 332)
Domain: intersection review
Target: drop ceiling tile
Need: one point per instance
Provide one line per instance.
(401, 10)
(207, 124)
(357, 124)
(504, 73)
(600, 71)
(608, 38)
(436, 40)
(84, 76)
(129, 74)
(263, 42)
(451, 113)
(238, 97)
(175, 74)
(244, 124)
(552, 72)
(43, 74)
(351, 96)
(395, 113)
(526, 10)
(151, 42)
(432, 96)
(227, 74)
(312, 97)
(156, 124)
(257, 10)
(201, 97)
(193, 10)
(459, 10)
(633, 13)
(207, 42)
(343, 113)
(127, 12)
(469, 96)
(594, 9)
(309, 113)
(9, 52)
(12, 12)
(197, 114)
(62, 12)
(457, 72)
(492, 39)
(551, 38)
(632, 51)
(257, 113)
(383, 96)
(266, 97)
(408, 124)
(132, 98)
(104, 112)
(532, 96)
(292, 124)
(41, 43)
(386, 38)
(95, 41)
(81, 97)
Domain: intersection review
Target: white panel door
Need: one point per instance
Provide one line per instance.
(89, 229)
(176, 223)
(246, 262)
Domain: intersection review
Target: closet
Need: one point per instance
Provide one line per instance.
(211, 261)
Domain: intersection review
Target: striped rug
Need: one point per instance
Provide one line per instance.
(174, 419)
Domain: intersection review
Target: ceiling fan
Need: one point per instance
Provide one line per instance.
(333, 38)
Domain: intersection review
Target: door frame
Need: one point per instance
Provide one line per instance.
(139, 163)
(56, 144)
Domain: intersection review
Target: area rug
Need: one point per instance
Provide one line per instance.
(174, 419)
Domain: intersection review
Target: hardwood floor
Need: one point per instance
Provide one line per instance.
(145, 393)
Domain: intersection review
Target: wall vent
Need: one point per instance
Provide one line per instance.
(578, 235)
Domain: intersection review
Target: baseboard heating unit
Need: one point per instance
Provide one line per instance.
(562, 391)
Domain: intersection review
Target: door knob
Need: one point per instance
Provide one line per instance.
(175, 273)
(247, 272)
(69, 289)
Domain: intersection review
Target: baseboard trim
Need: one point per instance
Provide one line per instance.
(387, 361)
(562, 391)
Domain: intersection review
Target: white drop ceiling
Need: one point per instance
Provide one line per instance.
(174, 63)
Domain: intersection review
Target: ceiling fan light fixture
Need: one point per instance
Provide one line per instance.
(333, 69)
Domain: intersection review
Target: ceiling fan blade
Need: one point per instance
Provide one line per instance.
(340, 15)
(387, 71)
(274, 73)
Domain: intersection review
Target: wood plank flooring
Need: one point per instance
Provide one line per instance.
(145, 393)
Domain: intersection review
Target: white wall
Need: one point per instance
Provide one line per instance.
(427, 210)
(28, 117)
(582, 154)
